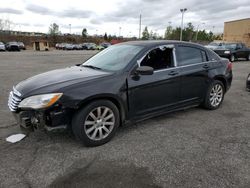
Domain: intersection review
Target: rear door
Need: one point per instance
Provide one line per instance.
(194, 65)
(240, 51)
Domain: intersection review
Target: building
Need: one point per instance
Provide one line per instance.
(41, 45)
(21, 33)
(237, 31)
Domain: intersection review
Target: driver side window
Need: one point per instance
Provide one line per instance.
(159, 58)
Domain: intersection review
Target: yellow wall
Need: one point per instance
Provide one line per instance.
(42, 46)
(237, 31)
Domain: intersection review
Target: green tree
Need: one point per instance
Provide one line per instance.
(54, 29)
(188, 32)
(168, 33)
(105, 37)
(110, 37)
(145, 34)
(84, 33)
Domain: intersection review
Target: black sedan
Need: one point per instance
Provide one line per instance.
(233, 51)
(124, 83)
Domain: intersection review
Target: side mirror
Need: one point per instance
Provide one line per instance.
(145, 70)
(78, 65)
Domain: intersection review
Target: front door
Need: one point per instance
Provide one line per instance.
(159, 91)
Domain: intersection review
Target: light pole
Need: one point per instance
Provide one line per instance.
(69, 28)
(196, 38)
(140, 27)
(213, 29)
(120, 28)
(183, 10)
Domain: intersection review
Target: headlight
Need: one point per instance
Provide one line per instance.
(40, 101)
(248, 78)
(227, 52)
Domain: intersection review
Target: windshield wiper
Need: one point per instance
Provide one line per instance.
(92, 67)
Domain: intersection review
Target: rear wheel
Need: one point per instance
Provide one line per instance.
(215, 95)
(96, 123)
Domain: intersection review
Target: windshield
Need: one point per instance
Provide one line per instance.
(213, 44)
(114, 58)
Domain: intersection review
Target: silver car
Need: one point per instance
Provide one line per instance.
(2, 47)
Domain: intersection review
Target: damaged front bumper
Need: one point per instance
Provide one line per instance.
(31, 120)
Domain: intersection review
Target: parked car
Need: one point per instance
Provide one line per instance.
(214, 45)
(78, 47)
(57, 46)
(91, 46)
(12, 46)
(21, 46)
(127, 82)
(84, 46)
(2, 46)
(99, 47)
(234, 51)
(248, 82)
(105, 44)
(68, 47)
(60, 46)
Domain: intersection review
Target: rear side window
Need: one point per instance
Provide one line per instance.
(189, 55)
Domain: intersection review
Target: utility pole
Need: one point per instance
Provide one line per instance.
(120, 28)
(182, 15)
(140, 27)
(69, 28)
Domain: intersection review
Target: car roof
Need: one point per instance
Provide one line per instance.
(152, 43)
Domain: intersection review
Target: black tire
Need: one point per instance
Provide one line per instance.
(232, 58)
(207, 101)
(80, 118)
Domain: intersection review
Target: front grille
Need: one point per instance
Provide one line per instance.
(14, 100)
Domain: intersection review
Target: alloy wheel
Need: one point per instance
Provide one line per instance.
(216, 95)
(99, 123)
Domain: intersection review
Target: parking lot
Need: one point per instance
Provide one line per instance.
(190, 148)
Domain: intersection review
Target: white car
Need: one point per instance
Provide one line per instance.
(2, 47)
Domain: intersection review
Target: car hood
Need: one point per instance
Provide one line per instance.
(57, 79)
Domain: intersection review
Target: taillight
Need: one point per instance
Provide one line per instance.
(229, 65)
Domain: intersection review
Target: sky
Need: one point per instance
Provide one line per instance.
(120, 16)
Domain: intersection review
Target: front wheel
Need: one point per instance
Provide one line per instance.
(215, 95)
(96, 123)
(232, 58)
(248, 57)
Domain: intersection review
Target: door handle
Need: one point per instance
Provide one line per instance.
(172, 73)
(205, 66)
